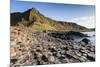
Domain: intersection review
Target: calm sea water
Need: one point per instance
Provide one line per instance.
(91, 38)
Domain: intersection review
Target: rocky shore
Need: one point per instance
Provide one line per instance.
(29, 47)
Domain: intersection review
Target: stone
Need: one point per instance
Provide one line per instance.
(83, 48)
(78, 54)
(51, 59)
(76, 47)
(66, 60)
(83, 51)
(82, 59)
(13, 61)
(92, 49)
(44, 58)
(86, 41)
(91, 56)
(84, 54)
(69, 54)
(37, 48)
(58, 54)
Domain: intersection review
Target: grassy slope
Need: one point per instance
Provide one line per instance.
(37, 21)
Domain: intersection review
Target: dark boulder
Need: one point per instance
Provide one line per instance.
(91, 56)
(44, 58)
(86, 41)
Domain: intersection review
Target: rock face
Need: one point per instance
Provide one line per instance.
(29, 47)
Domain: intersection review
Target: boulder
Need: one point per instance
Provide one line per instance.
(51, 59)
(91, 56)
(86, 41)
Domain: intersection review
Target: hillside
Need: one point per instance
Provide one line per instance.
(33, 18)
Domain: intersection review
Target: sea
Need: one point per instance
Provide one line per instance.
(91, 37)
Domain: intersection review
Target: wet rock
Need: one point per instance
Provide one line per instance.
(85, 40)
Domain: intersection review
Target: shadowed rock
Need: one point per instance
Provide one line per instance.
(67, 35)
(85, 40)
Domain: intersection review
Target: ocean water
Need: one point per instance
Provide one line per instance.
(91, 38)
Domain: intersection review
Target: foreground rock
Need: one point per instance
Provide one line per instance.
(34, 48)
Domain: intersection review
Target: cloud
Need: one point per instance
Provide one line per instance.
(87, 21)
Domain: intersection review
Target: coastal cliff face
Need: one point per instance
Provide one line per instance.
(33, 18)
(29, 47)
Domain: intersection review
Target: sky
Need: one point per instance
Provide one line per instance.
(81, 14)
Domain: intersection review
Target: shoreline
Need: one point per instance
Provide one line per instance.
(33, 48)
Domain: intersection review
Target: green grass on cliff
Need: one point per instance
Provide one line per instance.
(39, 22)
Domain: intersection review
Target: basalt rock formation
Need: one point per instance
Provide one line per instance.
(29, 47)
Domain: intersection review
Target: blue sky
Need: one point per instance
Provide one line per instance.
(62, 12)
